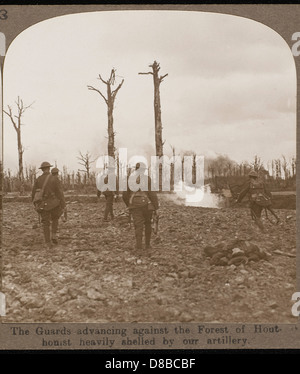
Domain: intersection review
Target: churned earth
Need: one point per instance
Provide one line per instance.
(93, 274)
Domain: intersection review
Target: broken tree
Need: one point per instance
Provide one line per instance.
(86, 161)
(16, 120)
(157, 112)
(109, 100)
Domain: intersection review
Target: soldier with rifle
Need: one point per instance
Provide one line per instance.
(260, 198)
(49, 202)
(143, 205)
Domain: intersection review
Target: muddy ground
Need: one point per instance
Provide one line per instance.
(93, 275)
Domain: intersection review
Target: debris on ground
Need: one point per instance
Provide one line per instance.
(235, 252)
(94, 274)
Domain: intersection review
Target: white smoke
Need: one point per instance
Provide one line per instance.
(197, 197)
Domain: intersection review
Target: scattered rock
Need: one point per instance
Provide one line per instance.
(72, 292)
(184, 274)
(186, 317)
(272, 304)
(234, 252)
(95, 295)
(289, 286)
(169, 279)
(237, 252)
(94, 276)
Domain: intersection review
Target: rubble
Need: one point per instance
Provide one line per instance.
(94, 275)
(235, 252)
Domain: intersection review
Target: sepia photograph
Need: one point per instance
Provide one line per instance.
(200, 106)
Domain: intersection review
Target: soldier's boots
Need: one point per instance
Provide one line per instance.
(54, 232)
(147, 244)
(139, 239)
(54, 239)
(105, 219)
(46, 230)
(260, 224)
(47, 237)
(138, 244)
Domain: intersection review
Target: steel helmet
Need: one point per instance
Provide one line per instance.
(54, 171)
(44, 165)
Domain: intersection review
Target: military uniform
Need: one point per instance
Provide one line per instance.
(260, 198)
(141, 205)
(55, 172)
(109, 203)
(54, 202)
(109, 198)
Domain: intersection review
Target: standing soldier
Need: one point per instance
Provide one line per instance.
(141, 203)
(54, 172)
(63, 206)
(109, 196)
(260, 198)
(48, 198)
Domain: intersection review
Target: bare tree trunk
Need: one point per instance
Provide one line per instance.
(16, 121)
(157, 114)
(109, 100)
(20, 153)
(194, 169)
(110, 127)
(172, 177)
(293, 165)
(85, 160)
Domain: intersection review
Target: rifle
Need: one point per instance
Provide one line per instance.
(273, 213)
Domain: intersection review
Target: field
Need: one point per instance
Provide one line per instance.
(93, 274)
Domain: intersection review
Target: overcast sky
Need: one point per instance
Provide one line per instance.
(230, 89)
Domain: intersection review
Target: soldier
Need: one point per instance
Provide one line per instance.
(141, 205)
(54, 172)
(109, 197)
(51, 204)
(260, 198)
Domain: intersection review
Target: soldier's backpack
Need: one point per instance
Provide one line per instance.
(258, 195)
(139, 199)
(38, 200)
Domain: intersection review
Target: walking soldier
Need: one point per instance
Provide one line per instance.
(109, 195)
(141, 203)
(260, 198)
(54, 172)
(49, 202)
